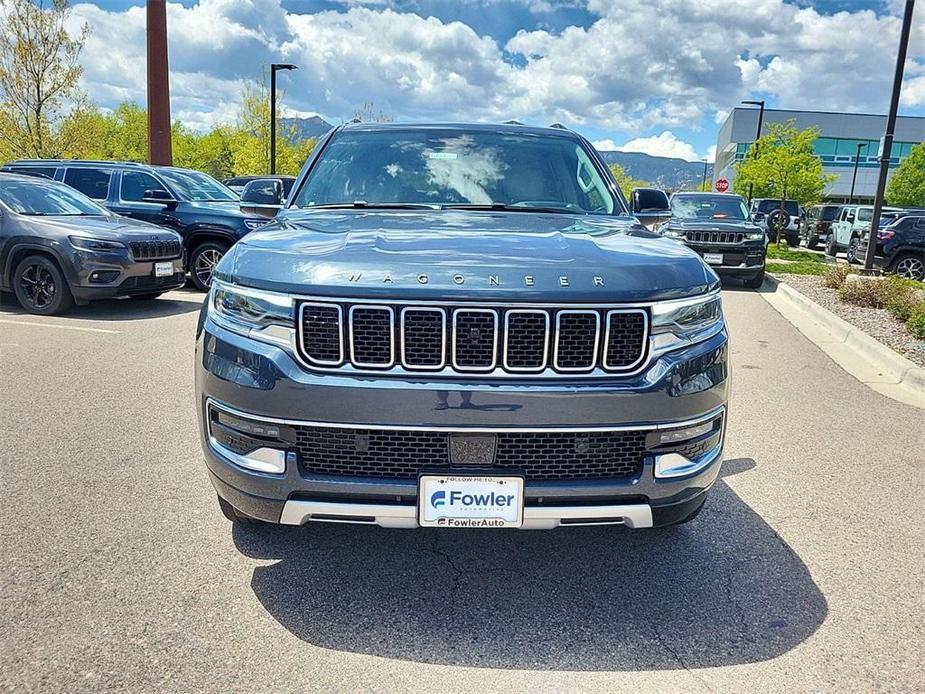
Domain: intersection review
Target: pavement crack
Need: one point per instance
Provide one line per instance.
(677, 657)
(437, 551)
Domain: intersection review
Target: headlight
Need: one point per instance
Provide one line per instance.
(756, 236)
(677, 323)
(265, 316)
(95, 244)
(255, 223)
(673, 233)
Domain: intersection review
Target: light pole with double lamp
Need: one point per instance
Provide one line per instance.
(760, 105)
(274, 67)
(854, 177)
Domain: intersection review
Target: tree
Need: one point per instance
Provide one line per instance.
(625, 181)
(39, 70)
(786, 166)
(907, 185)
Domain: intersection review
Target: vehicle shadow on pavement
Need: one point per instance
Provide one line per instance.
(724, 589)
(117, 310)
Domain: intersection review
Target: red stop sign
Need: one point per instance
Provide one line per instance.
(722, 185)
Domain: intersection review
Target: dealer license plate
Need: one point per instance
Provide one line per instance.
(468, 501)
(163, 269)
(713, 258)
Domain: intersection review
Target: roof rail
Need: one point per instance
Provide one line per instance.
(512, 122)
(108, 162)
(558, 126)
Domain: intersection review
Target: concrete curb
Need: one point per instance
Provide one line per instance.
(865, 358)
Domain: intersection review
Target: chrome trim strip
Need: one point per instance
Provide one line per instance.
(340, 334)
(597, 342)
(712, 414)
(265, 460)
(507, 334)
(367, 365)
(299, 512)
(645, 339)
(401, 338)
(494, 341)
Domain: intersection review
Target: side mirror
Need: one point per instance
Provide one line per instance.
(850, 218)
(159, 196)
(758, 217)
(650, 206)
(263, 197)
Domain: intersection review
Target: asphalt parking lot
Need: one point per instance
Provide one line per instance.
(804, 572)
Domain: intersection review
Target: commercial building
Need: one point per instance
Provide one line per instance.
(837, 145)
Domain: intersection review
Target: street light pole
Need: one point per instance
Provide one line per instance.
(760, 104)
(854, 176)
(703, 183)
(273, 69)
(888, 136)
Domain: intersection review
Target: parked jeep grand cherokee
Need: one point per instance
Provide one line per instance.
(461, 326)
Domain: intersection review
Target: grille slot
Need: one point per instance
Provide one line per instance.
(577, 334)
(475, 339)
(404, 454)
(526, 335)
(321, 334)
(423, 333)
(372, 336)
(622, 347)
(155, 250)
(716, 236)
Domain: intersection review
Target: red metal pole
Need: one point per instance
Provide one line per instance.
(159, 149)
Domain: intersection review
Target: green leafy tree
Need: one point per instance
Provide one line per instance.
(39, 72)
(907, 185)
(625, 181)
(786, 166)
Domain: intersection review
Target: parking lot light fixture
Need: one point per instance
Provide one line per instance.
(854, 176)
(274, 67)
(760, 104)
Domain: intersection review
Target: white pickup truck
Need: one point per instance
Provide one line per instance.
(846, 231)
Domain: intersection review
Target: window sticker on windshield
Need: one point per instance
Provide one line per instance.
(442, 155)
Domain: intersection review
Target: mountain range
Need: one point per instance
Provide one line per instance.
(663, 172)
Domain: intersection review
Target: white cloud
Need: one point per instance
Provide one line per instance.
(662, 145)
(606, 145)
(710, 155)
(638, 67)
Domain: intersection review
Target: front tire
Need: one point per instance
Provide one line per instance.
(909, 265)
(202, 262)
(40, 286)
(233, 514)
(812, 242)
(852, 253)
(831, 248)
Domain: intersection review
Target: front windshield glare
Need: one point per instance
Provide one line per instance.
(46, 198)
(708, 207)
(453, 167)
(197, 186)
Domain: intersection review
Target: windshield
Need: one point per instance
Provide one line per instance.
(459, 168)
(790, 207)
(38, 197)
(829, 214)
(194, 185)
(719, 207)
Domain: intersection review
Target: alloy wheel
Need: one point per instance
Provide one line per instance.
(38, 285)
(911, 268)
(851, 253)
(205, 264)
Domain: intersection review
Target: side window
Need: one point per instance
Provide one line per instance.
(94, 183)
(37, 171)
(135, 183)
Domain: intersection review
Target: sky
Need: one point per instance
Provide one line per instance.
(657, 76)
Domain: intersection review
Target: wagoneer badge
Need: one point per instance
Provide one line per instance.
(493, 280)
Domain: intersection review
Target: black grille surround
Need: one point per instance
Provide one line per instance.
(719, 237)
(146, 251)
(404, 454)
(479, 340)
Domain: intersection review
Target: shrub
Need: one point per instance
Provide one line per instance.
(835, 276)
(903, 305)
(916, 322)
(864, 292)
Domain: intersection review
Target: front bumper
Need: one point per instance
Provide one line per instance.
(95, 276)
(262, 382)
(738, 259)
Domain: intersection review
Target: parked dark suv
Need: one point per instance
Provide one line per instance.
(58, 247)
(818, 224)
(461, 326)
(202, 210)
(900, 246)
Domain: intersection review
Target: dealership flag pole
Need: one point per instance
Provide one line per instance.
(159, 149)
(886, 146)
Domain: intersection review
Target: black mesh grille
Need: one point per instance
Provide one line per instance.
(576, 338)
(715, 237)
(526, 340)
(371, 335)
(404, 454)
(474, 339)
(155, 250)
(625, 342)
(423, 337)
(321, 333)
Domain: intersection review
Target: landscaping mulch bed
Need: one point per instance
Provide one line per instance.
(876, 322)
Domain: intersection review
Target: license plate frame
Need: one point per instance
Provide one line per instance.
(453, 513)
(163, 269)
(713, 258)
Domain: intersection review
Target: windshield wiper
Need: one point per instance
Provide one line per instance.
(363, 205)
(503, 207)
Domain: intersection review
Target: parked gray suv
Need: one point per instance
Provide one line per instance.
(461, 326)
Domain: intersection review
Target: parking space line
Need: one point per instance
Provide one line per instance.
(61, 327)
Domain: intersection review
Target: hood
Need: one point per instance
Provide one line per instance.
(222, 206)
(714, 225)
(109, 228)
(452, 254)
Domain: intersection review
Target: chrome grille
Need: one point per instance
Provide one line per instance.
(155, 250)
(715, 236)
(451, 339)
